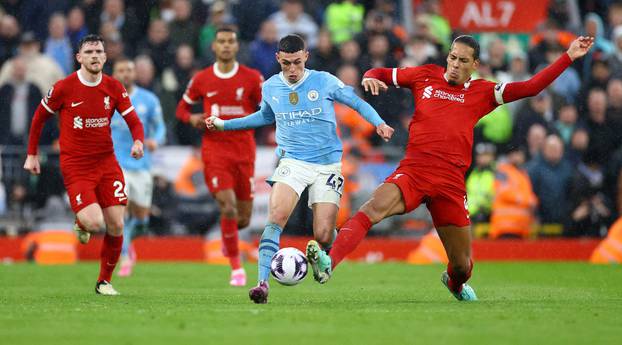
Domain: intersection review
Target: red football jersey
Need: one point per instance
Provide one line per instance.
(441, 130)
(228, 96)
(85, 109)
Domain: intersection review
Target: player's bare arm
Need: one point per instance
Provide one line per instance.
(579, 47)
(137, 151)
(197, 121)
(32, 164)
(384, 131)
(213, 123)
(374, 86)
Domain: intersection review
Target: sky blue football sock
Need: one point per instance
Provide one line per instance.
(268, 245)
(328, 246)
(128, 232)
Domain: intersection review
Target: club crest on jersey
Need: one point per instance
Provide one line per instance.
(107, 102)
(293, 98)
(238, 93)
(313, 95)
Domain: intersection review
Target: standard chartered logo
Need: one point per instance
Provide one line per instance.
(298, 117)
(90, 122)
(77, 122)
(427, 92)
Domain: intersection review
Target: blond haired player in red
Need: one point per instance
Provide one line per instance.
(448, 105)
(228, 90)
(85, 102)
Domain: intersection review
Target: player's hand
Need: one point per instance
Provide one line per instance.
(214, 124)
(374, 85)
(384, 131)
(151, 144)
(197, 121)
(580, 46)
(32, 164)
(137, 150)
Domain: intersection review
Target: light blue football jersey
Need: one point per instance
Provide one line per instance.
(306, 128)
(149, 111)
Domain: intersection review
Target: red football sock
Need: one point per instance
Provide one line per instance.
(457, 279)
(349, 237)
(229, 232)
(111, 250)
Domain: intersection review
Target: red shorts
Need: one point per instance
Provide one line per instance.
(446, 200)
(99, 180)
(228, 174)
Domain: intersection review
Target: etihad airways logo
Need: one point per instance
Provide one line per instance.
(297, 117)
(429, 92)
(80, 123)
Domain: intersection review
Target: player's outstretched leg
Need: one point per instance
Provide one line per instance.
(456, 283)
(320, 261)
(268, 245)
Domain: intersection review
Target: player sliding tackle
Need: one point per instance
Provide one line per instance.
(300, 101)
(448, 105)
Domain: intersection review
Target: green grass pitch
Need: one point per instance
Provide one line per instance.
(182, 303)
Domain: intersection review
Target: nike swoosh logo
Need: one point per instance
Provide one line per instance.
(210, 94)
(76, 104)
(121, 199)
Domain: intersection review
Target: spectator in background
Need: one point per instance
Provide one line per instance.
(32, 15)
(292, 19)
(551, 176)
(145, 74)
(566, 87)
(123, 19)
(579, 142)
(218, 17)
(615, 60)
(614, 106)
(378, 54)
(58, 46)
(263, 48)
(590, 209)
(325, 56)
(603, 139)
(550, 35)
(496, 57)
(603, 48)
(114, 51)
(157, 46)
(18, 101)
(614, 18)
(600, 76)
(76, 28)
(480, 183)
(174, 81)
(514, 200)
(378, 23)
(9, 37)
(40, 69)
(539, 110)
(518, 71)
(344, 20)
(350, 53)
(419, 51)
(437, 24)
(250, 14)
(182, 29)
(496, 127)
(566, 122)
(536, 136)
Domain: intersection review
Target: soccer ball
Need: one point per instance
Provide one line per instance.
(289, 266)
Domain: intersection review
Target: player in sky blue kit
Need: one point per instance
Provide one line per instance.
(300, 102)
(138, 178)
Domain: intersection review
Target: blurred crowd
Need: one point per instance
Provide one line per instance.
(551, 159)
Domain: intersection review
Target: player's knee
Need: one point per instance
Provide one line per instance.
(228, 211)
(243, 221)
(115, 226)
(93, 224)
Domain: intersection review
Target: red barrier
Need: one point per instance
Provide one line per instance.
(190, 248)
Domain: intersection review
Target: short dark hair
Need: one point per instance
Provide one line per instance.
(226, 28)
(291, 44)
(469, 41)
(92, 38)
(122, 59)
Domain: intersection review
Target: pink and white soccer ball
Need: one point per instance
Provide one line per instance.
(289, 266)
